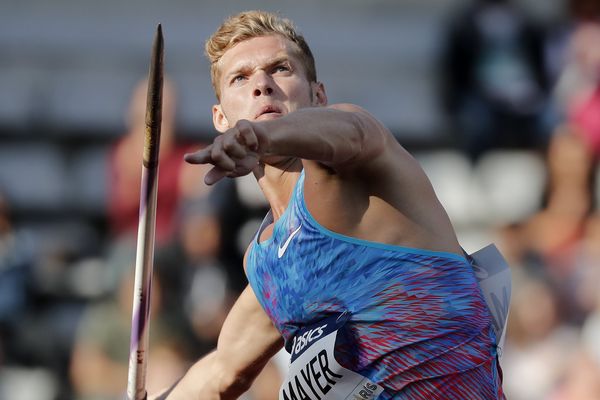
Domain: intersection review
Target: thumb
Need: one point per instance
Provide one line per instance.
(214, 175)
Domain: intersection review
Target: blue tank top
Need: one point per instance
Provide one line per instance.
(418, 324)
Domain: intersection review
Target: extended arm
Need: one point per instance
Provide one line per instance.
(340, 136)
(247, 341)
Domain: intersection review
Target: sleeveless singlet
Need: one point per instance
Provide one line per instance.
(418, 324)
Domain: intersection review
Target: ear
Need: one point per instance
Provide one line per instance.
(220, 120)
(319, 96)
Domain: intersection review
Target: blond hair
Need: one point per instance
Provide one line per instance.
(250, 24)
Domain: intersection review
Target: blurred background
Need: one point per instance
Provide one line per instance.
(498, 100)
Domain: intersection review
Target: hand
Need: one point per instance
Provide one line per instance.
(233, 153)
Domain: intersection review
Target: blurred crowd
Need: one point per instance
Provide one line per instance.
(511, 84)
(65, 315)
(523, 107)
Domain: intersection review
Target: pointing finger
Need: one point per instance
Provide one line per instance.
(199, 157)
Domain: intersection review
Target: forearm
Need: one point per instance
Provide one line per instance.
(247, 341)
(203, 381)
(207, 379)
(334, 135)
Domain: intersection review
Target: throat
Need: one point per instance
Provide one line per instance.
(277, 185)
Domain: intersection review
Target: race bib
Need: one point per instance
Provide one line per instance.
(494, 277)
(314, 373)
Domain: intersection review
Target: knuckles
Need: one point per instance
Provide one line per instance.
(244, 128)
(228, 146)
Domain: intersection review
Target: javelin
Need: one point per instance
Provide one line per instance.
(140, 318)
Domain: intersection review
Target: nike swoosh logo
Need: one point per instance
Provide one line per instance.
(281, 250)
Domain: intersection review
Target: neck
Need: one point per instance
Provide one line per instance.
(277, 181)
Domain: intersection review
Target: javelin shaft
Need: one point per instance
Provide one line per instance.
(140, 319)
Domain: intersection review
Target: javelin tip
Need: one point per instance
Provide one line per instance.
(158, 37)
(154, 101)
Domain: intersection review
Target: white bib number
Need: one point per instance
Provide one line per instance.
(315, 374)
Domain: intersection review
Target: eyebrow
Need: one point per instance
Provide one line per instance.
(245, 66)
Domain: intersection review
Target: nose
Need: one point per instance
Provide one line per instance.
(263, 85)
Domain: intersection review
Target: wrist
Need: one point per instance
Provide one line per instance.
(262, 131)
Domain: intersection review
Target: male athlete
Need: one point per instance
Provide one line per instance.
(356, 268)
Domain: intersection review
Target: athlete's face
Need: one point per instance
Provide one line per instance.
(263, 78)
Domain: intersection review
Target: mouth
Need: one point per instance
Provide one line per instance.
(268, 111)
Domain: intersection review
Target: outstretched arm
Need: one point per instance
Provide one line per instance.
(341, 137)
(247, 341)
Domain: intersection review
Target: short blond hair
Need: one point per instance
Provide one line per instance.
(250, 24)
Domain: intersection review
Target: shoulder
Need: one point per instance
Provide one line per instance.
(376, 146)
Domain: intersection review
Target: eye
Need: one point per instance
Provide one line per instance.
(238, 78)
(281, 68)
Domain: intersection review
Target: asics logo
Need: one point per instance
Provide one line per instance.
(281, 250)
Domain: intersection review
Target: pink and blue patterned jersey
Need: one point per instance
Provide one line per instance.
(418, 324)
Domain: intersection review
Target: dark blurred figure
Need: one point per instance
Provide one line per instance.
(16, 268)
(197, 285)
(494, 80)
(31, 346)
